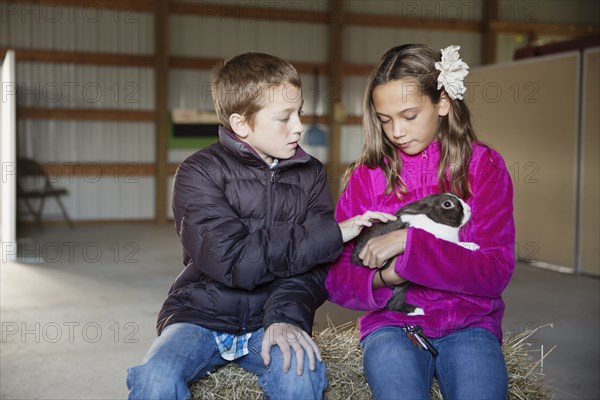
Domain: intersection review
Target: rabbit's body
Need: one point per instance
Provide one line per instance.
(439, 214)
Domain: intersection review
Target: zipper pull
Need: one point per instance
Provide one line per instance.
(424, 154)
(272, 176)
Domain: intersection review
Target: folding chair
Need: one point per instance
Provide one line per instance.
(29, 170)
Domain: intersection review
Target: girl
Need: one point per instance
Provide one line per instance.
(418, 141)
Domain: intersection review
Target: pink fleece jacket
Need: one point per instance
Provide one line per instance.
(458, 288)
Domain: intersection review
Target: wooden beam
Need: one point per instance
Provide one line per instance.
(489, 37)
(405, 22)
(78, 57)
(125, 6)
(122, 170)
(291, 12)
(89, 114)
(309, 68)
(308, 119)
(353, 120)
(80, 222)
(183, 62)
(538, 28)
(336, 80)
(161, 83)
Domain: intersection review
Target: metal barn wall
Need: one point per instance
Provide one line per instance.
(56, 85)
(89, 28)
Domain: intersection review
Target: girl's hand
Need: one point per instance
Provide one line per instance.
(389, 276)
(352, 227)
(378, 250)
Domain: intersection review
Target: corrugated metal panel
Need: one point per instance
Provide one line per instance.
(352, 142)
(91, 198)
(354, 89)
(431, 10)
(578, 12)
(88, 28)
(367, 44)
(85, 86)
(217, 37)
(86, 141)
(319, 5)
(190, 89)
(178, 155)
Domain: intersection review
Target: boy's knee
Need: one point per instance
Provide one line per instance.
(146, 381)
(289, 385)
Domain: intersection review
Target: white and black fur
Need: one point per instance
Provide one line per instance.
(439, 214)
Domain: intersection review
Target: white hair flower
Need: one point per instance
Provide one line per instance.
(453, 71)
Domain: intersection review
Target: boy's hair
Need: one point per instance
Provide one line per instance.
(241, 84)
(416, 62)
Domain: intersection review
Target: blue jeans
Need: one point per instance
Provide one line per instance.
(469, 365)
(184, 353)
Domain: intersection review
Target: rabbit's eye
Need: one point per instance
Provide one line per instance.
(447, 204)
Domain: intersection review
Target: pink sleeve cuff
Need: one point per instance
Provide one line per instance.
(377, 298)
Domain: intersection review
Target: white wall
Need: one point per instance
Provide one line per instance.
(8, 234)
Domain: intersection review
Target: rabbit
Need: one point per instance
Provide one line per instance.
(440, 214)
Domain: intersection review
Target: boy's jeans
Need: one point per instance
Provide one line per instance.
(184, 353)
(469, 365)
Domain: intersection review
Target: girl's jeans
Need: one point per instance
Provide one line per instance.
(184, 353)
(469, 365)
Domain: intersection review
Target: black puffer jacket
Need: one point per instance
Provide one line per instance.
(253, 239)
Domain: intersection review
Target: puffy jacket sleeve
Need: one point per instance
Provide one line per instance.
(220, 245)
(485, 272)
(348, 284)
(296, 248)
(294, 300)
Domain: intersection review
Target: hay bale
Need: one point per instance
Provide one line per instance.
(342, 354)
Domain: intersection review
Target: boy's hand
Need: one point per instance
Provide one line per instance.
(287, 337)
(352, 227)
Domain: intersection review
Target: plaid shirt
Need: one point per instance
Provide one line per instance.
(232, 346)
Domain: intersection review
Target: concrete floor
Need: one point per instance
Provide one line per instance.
(81, 307)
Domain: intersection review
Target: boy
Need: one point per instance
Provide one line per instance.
(255, 217)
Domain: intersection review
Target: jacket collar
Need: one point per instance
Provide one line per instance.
(433, 150)
(248, 155)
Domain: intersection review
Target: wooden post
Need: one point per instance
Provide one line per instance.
(489, 36)
(336, 107)
(161, 79)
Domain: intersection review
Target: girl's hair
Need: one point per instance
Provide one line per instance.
(243, 84)
(416, 62)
